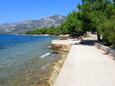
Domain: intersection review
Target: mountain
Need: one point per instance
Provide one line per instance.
(24, 26)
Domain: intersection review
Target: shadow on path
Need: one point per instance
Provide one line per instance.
(88, 42)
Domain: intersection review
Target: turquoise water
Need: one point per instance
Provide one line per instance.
(22, 58)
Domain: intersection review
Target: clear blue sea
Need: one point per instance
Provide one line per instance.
(22, 57)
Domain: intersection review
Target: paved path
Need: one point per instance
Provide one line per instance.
(86, 66)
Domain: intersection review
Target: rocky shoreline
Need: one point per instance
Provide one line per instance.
(48, 76)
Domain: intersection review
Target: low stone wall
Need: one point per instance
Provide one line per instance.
(106, 49)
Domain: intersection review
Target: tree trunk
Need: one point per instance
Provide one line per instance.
(113, 45)
(98, 37)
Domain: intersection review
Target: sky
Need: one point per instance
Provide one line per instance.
(21, 10)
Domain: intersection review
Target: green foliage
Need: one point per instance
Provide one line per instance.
(99, 15)
(108, 32)
(51, 31)
(72, 25)
(92, 15)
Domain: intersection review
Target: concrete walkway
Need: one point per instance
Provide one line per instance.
(87, 66)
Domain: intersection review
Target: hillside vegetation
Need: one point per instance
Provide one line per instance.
(92, 15)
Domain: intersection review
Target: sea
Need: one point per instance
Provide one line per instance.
(22, 57)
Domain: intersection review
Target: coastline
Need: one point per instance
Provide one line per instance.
(46, 75)
(34, 34)
(61, 47)
(49, 77)
(55, 66)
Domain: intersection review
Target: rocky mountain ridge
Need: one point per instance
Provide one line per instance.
(24, 26)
